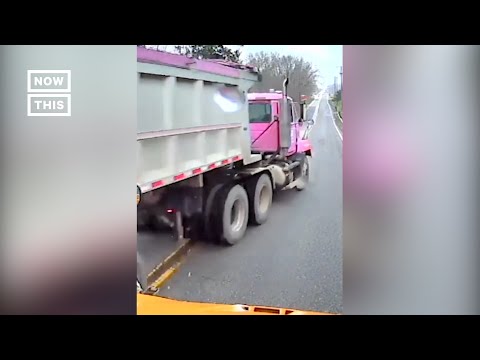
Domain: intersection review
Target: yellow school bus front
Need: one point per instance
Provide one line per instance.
(156, 305)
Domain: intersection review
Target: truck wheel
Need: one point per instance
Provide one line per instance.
(234, 214)
(210, 213)
(305, 176)
(260, 199)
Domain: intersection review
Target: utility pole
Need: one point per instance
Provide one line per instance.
(341, 78)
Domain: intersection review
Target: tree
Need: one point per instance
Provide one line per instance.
(275, 68)
(210, 52)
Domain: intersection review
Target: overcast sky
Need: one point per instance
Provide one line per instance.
(326, 58)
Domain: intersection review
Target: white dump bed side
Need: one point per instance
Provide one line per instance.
(181, 129)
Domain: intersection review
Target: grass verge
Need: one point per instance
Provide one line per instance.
(340, 108)
(336, 117)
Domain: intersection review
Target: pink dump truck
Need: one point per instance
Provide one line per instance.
(210, 154)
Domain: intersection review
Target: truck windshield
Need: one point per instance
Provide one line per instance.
(260, 112)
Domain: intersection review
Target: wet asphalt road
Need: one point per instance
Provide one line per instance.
(295, 259)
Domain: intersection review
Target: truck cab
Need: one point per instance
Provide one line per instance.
(265, 112)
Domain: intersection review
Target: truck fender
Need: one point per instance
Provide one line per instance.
(278, 176)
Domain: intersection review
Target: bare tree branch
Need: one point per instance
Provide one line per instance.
(274, 68)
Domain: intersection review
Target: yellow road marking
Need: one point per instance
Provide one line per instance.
(168, 267)
(167, 275)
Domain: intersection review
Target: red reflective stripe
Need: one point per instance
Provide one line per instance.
(157, 183)
(196, 171)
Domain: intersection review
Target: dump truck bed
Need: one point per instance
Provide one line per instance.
(181, 129)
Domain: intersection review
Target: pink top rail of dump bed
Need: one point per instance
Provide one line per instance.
(182, 61)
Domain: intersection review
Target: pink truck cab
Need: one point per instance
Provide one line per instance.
(265, 113)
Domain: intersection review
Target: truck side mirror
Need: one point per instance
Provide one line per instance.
(302, 111)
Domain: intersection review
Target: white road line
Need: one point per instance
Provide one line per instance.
(333, 120)
(315, 113)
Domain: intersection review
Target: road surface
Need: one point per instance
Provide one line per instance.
(295, 259)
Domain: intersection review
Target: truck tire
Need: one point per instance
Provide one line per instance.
(233, 211)
(210, 213)
(305, 173)
(260, 199)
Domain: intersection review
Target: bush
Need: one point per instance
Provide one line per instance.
(338, 96)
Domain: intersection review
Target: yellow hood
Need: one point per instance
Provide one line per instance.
(156, 305)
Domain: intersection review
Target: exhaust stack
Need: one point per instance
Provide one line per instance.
(284, 128)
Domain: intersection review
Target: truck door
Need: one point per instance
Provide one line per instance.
(263, 127)
(294, 116)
